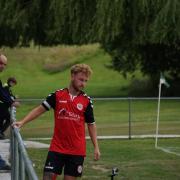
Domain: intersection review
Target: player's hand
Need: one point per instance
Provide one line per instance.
(16, 104)
(18, 124)
(97, 154)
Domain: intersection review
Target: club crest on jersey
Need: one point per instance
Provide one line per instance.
(79, 169)
(79, 106)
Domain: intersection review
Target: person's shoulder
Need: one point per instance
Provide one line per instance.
(5, 85)
(61, 90)
(55, 92)
(86, 96)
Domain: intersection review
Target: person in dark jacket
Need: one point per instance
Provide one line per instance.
(11, 82)
(4, 108)
(4, 98)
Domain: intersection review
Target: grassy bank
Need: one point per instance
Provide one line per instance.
(40, 72)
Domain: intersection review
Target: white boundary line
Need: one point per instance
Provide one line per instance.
(167, 151)
(127, 137)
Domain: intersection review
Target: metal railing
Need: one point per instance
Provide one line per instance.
(131, 126)
(21, 165)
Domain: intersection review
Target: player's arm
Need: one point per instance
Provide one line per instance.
(89, 116)
(93, 135)
(36, 112)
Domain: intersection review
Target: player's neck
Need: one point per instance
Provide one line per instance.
(73, 91)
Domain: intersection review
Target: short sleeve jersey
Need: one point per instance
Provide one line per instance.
(70, 114)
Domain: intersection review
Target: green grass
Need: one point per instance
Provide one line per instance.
(136, 160)
(40, 72)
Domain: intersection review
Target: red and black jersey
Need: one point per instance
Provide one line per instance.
(70, 114)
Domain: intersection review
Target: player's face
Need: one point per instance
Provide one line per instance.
(2, 64)
(79, 81)
(12, 84)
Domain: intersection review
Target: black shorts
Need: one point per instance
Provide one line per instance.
(56, 162)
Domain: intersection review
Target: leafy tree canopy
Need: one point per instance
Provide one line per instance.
(140, 34)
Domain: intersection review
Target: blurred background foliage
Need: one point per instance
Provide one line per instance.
(138, 35)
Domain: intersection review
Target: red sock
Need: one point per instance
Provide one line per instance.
(54, 176)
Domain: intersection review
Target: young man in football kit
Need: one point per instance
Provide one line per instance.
(72, 109)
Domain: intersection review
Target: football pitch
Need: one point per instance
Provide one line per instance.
(136, 159)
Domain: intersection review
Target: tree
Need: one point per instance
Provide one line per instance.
(71, 21)
(141, 34)
(22, 21)
(10, 22)
(138, 34)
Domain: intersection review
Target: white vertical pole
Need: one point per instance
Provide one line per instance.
(158, 109)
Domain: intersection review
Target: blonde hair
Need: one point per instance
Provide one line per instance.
(84, 68)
